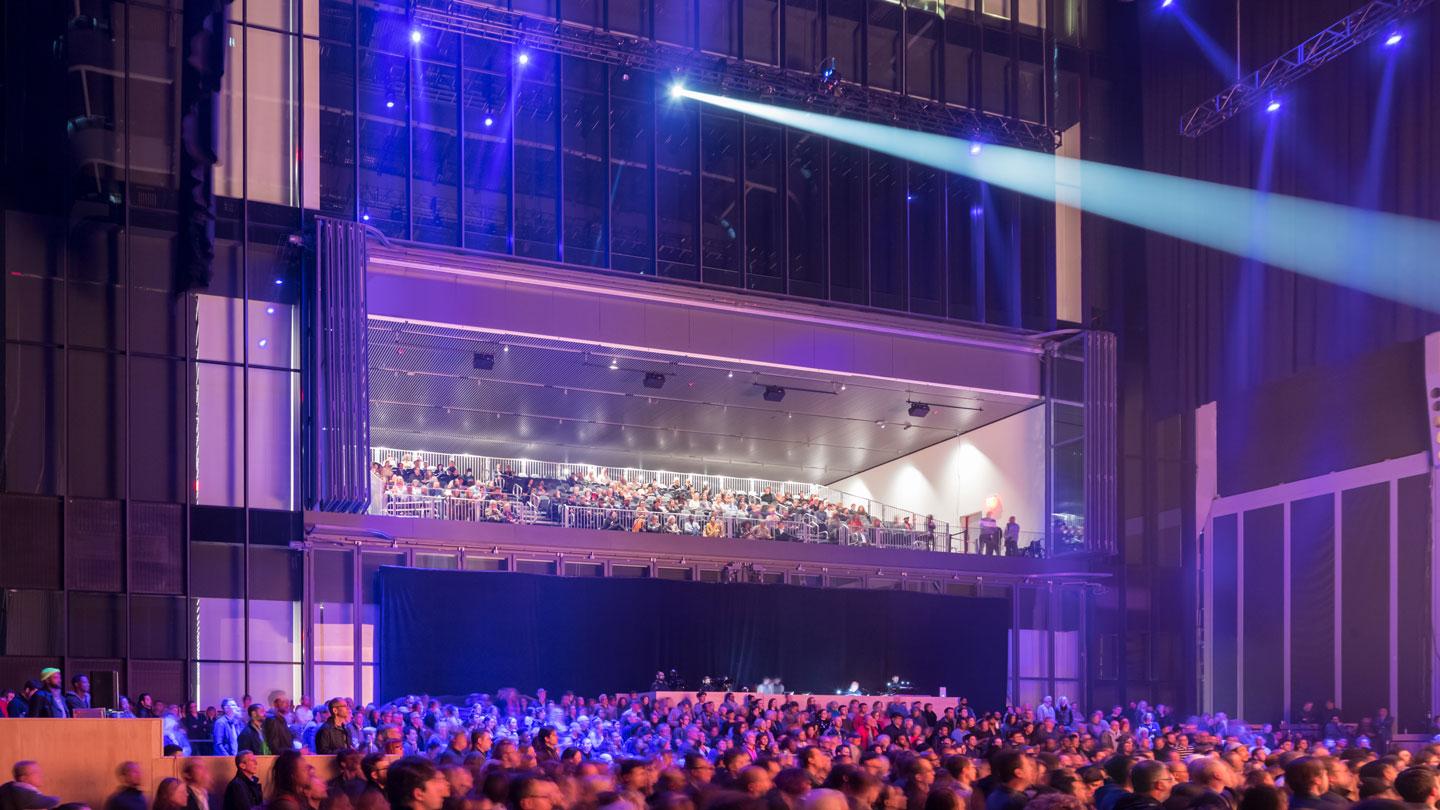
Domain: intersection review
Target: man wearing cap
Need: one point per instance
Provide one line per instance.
(49, 700)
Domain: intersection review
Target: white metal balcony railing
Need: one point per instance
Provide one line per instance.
(529, 510)
(487, 468)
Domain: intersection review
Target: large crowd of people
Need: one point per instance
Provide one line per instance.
(589, 498)
(719, 752)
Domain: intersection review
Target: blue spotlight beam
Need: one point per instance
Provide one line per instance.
(1370, 20)
(1383, 254)
(480, 18)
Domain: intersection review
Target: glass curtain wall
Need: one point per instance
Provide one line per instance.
(464, 141)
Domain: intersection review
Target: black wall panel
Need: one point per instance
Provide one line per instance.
(1225, 620)
(1414, 571)
(1264, 674)
(1353, 428)
(1312, 600)
(1365, 599)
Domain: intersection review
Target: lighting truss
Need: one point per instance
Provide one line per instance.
(1375, 17)
(723, 75)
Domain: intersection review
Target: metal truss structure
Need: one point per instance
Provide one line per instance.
(722, 75)
(1375, 17)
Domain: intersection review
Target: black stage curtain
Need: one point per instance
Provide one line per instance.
(457, 632)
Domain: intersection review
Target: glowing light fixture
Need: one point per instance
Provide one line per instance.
(1394, 39)
(1273, 106)
(416, 36)
(677, 90)
(523, 58)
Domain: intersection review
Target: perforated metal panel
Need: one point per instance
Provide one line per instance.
(156, 559)
(92, 545)
(164, 679)
(29, 541)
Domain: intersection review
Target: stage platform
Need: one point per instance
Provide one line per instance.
(937, 704)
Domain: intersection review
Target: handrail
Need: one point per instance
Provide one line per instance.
(488, 467)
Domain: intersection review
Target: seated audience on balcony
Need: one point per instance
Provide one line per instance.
(592, 499)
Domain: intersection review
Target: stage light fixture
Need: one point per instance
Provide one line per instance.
(364, 217)
(774, 393)
(614, 364)
(1167, 3)
(489, 122)
(975, 148)
(919, 410)
(1273, 106)
(523, 58)
(677, 90)
(654, 379)
(1394, 39)
(484, 362)
(416, 36)
(389, 103)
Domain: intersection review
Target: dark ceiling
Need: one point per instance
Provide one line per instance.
(563, 402)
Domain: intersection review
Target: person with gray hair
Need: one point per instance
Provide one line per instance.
(24, 792)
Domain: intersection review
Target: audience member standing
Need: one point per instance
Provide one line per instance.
(413, 784)
(129, 796)
(277, 728)
(1418, 787)
(332, 738)
(197, 783)
(243, 792)
(20, 705)
(24, 793)
(1150, 785)
(1012, 536)
(227, 729)
(170, 795)
(49, 699)
(252, 736)
(1308, 781)
(79, 695)
(1013, 771)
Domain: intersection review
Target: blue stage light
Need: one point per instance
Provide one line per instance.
(389, 103)
(416, 36)
(1394, 39)
(677, 90)
(489, 122)
(1167, 3)
(364, 217)
(523, 58)
(975, 148)
(1273, 106)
